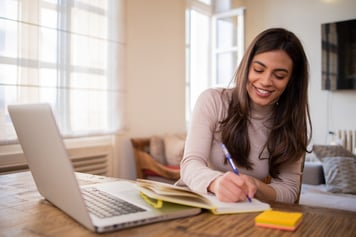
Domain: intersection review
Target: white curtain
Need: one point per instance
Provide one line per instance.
(68, 53)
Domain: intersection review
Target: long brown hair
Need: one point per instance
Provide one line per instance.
(288, 138)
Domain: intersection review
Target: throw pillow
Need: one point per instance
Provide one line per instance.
(157, 149)
(340, 174)
(322, 151)
(174, 149)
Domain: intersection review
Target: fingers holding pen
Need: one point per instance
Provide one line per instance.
(232, 188)
(251, 185)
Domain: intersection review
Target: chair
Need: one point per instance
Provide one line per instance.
(149, 168)
(301, 180)
(267, 180)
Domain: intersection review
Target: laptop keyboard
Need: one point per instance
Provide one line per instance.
(104, 205)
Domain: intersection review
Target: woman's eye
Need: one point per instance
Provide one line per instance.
(279, 76)
(258, 70)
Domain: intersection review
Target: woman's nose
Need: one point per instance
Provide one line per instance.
(266, 79)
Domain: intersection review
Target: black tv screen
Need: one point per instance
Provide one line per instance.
(339, 55)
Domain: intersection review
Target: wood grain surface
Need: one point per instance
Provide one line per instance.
(23, 212)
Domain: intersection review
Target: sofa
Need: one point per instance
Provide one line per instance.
(329, 178)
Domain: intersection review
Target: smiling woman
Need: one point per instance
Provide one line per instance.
(263, 121)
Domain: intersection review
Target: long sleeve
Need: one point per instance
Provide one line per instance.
(287, 188)
(203, 159)
(195, 171)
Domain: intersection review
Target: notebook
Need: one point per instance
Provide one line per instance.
(158, 191)
(56, 181)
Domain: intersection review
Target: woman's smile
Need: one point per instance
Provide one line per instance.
(263, 92)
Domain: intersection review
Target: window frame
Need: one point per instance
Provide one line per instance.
(213, 52)
(237, 49)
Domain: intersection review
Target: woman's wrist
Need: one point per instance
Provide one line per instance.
(264, 191)
(211, 187)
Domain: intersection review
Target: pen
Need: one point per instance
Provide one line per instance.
(229, 159)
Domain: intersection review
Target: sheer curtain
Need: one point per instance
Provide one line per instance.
(68, 53)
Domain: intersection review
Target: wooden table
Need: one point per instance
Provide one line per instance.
(23, 212)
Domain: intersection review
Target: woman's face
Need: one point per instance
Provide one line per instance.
(268, 76)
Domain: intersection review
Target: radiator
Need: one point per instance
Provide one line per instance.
(91, 164)
(348, 139)
(89, 159)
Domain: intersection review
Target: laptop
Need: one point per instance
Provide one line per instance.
(56, 181)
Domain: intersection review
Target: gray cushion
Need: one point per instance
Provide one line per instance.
(157, 149)
(340, 175)
(174, 148)
(322, 151)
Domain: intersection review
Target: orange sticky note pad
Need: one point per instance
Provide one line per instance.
(279, 220)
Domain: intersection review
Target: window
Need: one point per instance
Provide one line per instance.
(197, 54)
(65, 53)
(214, 47)
(228, 45)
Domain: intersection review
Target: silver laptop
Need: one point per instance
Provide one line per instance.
(56, 181)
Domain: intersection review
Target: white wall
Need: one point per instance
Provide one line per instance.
(329, 110)
(156, 73)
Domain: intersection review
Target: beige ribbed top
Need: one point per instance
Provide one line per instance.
(203, 159)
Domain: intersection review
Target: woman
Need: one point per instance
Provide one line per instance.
(263, 121)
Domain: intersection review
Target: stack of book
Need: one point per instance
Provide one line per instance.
(279, 220)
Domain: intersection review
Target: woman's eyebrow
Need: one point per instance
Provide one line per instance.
(277, 69)
(260, 63)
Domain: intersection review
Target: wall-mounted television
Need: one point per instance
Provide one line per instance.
(339, 55)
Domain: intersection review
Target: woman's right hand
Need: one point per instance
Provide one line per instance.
(230, 187)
